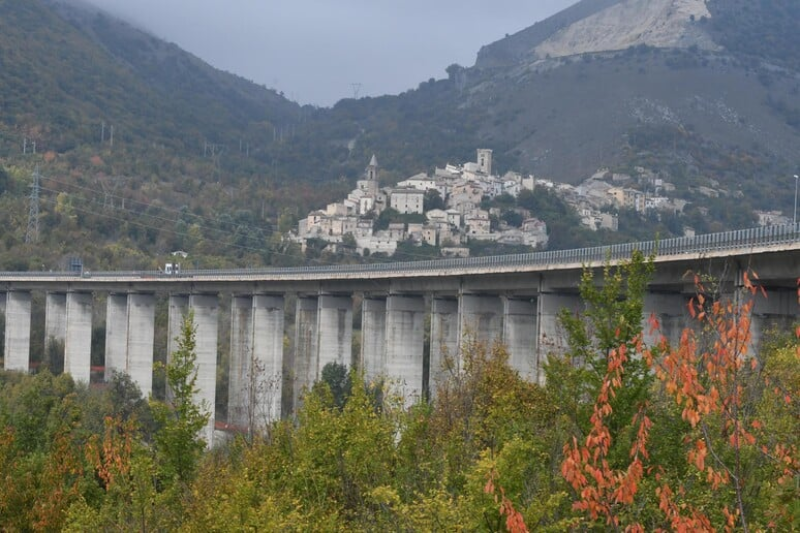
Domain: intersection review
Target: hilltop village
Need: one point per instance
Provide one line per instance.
(453, 208)
(441, 210)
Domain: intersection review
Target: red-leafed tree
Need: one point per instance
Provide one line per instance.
(717, 379)
(738, 426)
(604, 384)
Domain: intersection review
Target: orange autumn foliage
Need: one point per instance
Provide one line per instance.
(602, 489)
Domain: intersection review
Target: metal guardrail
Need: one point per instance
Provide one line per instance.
(712, 242)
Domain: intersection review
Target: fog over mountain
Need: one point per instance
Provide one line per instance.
(316, 50)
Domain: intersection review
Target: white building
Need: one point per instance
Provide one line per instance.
(535, 232)
(478, 224)
(407, 201)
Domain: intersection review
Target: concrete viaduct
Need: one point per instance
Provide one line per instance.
(514, 299)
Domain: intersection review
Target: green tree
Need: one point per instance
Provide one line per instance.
(603, 387)
(178, 443)
(432, 200)
(612, 318)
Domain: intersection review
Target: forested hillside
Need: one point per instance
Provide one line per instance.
(144, 149)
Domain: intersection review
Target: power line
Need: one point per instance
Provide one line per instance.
(143, 214)
(168, 230)
(107, 196)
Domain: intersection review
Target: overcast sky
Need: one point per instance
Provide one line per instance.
(315, 50)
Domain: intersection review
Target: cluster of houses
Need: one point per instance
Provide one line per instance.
(597, 198)
(456, 220)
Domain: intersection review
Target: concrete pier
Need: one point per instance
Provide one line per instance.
(256, 372)
(206, 317)
(551, 338)
(519, 336)
(55, 319)
(373, 338)
(481, 318)
(116, 335)
(17, 350)
(266, 375)
(335, 331)
(141, 337)
(239, 386)
(672, 314)
(445, 340)
(177, 309)
(306, 356)
(405, 343)
(780, 310)
(78, 343)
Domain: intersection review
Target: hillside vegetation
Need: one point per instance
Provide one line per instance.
(209, 163)
(698, 436)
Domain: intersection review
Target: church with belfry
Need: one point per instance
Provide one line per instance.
(367, 193)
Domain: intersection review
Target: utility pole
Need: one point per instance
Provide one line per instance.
(356, 90)
(32, 233)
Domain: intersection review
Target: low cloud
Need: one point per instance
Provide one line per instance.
(316, 50)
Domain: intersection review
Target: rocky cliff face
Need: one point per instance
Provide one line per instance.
(592, 26)
(657, 23)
